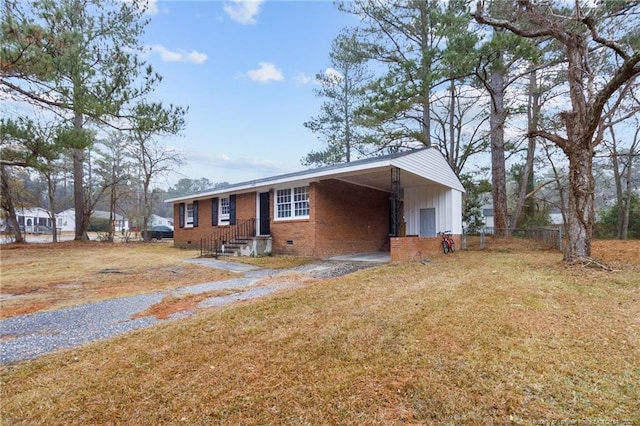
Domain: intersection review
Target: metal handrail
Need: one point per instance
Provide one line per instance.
(213, 245)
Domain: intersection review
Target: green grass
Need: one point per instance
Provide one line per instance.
(472, 338)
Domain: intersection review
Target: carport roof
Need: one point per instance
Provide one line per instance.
(420, 166)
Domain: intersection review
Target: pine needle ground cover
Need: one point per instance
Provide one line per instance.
(487, 337)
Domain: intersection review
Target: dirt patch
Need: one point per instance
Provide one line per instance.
(174, 304)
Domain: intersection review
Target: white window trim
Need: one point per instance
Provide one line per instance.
(291, 203)
(188, 220)
(223, 219)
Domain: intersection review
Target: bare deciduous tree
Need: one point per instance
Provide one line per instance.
(578, 32)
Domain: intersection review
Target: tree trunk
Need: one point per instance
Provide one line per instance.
(498, 168)
(533, 115)
(426, 64)
(426, 118)
(617, 177)
(581, 205)
(8, 207)
(51, 189)
(82, 221)
(628, 192)
(147, 204)
(347, 121)
(579, 149)
(78, 193)
(112, 213)
(452, 116)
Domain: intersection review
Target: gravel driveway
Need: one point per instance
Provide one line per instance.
(25, 337)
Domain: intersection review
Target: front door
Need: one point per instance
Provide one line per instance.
(428, 222)
(265, 218)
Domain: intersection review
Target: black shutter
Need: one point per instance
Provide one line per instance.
(195, 214)
(214, 211)
(232, 209)
(181, 215)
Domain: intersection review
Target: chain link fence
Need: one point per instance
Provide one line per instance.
(547, 237)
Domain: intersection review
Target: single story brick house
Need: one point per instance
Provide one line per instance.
(395, 203)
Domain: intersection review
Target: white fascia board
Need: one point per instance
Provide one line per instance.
(282, 181)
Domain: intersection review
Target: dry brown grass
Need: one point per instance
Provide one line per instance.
(39, 277)
(495, 337)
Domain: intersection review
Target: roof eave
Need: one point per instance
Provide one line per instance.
(312, 175)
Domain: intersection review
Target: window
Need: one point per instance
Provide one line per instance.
(224, 210)
(292, 203)
(301, 201)
(188, 215)
(189, 222)
(283, 203)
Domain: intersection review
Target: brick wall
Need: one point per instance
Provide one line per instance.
(343, 218)
(245, 206)
(294, 237)
(349, 218)
(405, 249)
(190, 237)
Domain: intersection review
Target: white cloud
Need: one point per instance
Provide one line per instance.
(177, 55)
(333, 75)
(301, 79)
(265, 73)
(243, 11)
(152, 7)
(237, 169)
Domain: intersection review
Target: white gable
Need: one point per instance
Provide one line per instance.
(431, 165)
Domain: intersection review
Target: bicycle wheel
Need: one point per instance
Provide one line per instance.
(445, 247)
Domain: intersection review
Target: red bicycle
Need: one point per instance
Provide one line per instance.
(448, 245)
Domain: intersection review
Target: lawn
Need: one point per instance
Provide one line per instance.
(509, 336)
(37, 277)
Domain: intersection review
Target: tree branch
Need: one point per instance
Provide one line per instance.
(558, 140)
(14, 163)
(588, 21)
(33, 96)
(502, 23)
(629, 70)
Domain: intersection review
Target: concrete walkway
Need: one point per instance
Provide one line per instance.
(376, 257)
(26, 337)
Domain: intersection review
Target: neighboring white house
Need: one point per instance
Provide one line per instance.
(554, 216)
(487, 217)
(67, 219)
(33, 221)
(156, 220)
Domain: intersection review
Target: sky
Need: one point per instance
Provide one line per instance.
(246, 71)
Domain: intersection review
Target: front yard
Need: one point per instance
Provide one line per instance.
(481, 337)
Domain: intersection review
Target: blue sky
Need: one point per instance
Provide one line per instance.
(246, 71)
